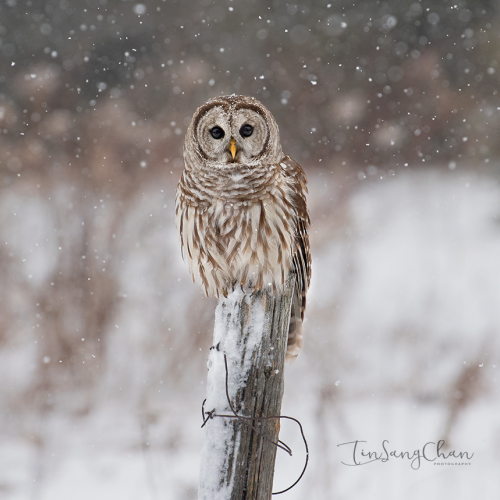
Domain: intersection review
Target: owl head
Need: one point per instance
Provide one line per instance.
(231, 131)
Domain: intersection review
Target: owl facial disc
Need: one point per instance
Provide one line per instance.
(231, 133)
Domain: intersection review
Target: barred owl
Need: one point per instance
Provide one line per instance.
(241, 207)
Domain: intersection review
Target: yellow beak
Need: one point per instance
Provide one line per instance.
(232, 148)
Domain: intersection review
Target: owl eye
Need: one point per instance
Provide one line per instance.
(217, 133)
(246, 130)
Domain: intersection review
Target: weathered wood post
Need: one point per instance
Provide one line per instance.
(237, 462)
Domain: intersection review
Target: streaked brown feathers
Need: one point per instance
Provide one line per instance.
(243, 223)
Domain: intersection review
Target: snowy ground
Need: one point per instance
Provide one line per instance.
(400, 345)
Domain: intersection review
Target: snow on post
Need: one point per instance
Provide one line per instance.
(252, 331)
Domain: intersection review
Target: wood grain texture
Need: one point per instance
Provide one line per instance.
(237, 462)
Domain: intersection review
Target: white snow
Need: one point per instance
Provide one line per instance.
(405, 294)
(239, 349)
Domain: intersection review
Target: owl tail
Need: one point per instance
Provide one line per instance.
(294, 330)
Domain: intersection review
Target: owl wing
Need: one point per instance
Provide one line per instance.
(301, 261)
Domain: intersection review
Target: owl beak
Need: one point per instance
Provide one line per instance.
(232, 147)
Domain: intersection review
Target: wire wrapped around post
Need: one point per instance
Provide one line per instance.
(252, 331)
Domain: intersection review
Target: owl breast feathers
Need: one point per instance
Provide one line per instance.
(241, 207)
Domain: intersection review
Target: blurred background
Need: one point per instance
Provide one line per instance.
(392, 109)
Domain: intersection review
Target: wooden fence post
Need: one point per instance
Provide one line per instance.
(237, 463)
